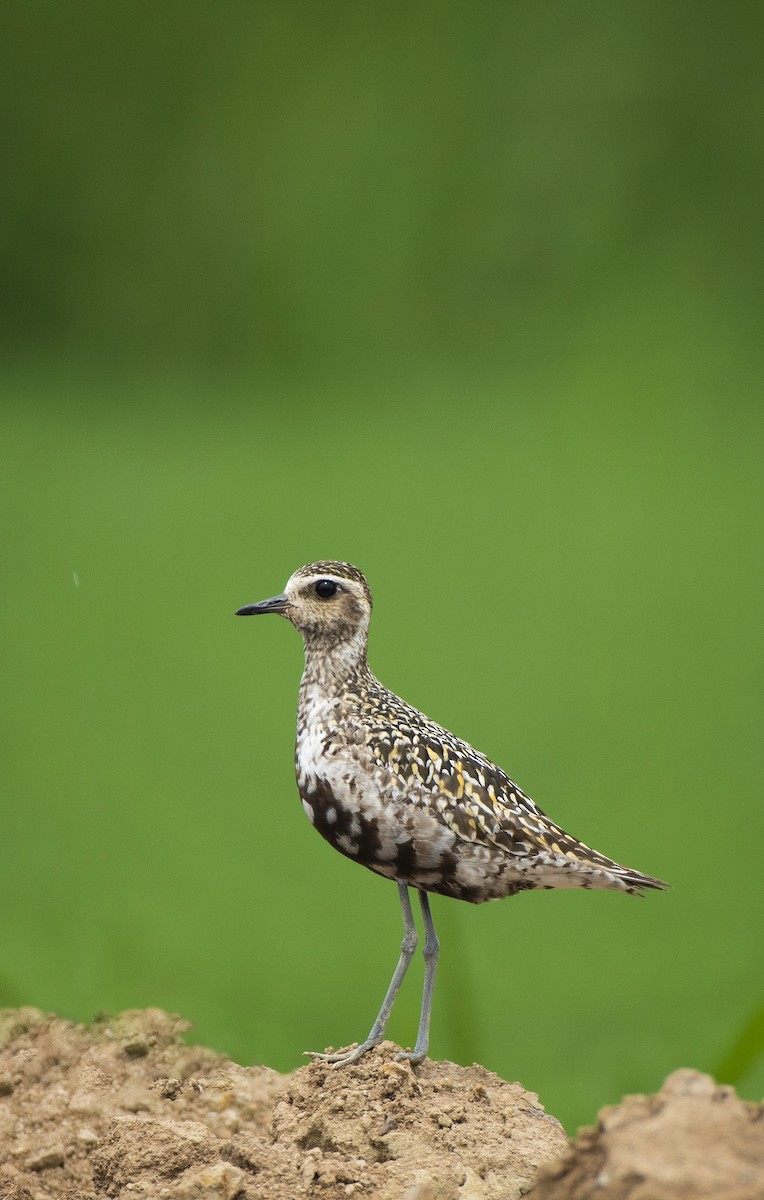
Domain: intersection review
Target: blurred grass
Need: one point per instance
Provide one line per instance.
(745, 1052)
(468, 298)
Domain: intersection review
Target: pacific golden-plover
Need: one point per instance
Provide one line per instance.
(396, 792)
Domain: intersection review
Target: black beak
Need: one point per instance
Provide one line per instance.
(276, 604)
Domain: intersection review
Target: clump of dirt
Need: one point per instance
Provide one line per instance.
(694, 1140)
(124, 1108)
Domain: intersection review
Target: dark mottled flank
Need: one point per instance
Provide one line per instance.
(321, 800)
(406, 861)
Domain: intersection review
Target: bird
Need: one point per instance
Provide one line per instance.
(394, 791)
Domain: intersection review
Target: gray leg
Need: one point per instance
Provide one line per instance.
(408, 946)
(431, 948)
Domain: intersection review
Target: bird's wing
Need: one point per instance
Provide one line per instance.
(474, 797)
(414, 757)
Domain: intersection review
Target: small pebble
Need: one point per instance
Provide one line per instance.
(136, 1048)
(45, 1159)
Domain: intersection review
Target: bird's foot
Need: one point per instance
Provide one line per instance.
(342, 1057)
(411, 1056)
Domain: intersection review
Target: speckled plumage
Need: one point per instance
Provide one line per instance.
(398, 793)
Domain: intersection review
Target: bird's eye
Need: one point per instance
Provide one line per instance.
(326, 588)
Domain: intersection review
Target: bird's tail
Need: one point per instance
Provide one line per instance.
(636, 882)
(587, 868)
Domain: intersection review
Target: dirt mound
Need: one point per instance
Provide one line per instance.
(694, 1140)
(124, 1108)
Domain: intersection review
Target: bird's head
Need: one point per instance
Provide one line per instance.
(329, 602)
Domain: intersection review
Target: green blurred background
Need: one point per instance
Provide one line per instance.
(468, 295)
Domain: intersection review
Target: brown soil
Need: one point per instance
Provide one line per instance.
(124, 1108)
(694, 1140)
